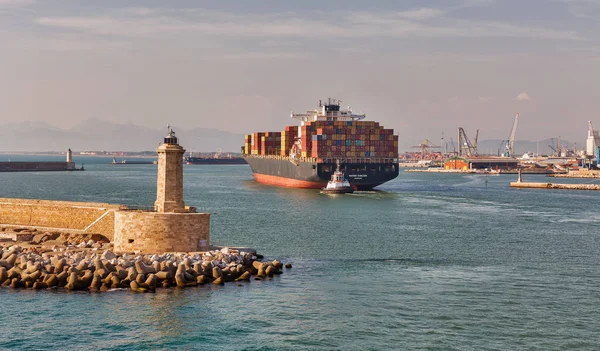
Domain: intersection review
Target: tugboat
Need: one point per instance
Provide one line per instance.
(338, 183)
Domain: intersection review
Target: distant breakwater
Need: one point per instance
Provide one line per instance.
(578, 174)
(103, 270)
(555, 186)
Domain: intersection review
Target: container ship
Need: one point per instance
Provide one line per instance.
(216, 159)
(306, 156)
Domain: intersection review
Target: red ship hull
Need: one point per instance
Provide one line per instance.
(315, 175)
(287, 182)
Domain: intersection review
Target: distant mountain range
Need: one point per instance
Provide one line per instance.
(97, 135)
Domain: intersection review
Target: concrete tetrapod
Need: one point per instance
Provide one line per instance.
(94, 270)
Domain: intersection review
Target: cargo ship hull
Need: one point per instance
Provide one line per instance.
(215, 161)
(315, 175)
(26, 166)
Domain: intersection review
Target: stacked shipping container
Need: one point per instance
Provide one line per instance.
(247, 144)
(262, 143)
(328, 139)
(354, 139)
(255, 143)
(306, 132)
(271, 143)
(288, 136)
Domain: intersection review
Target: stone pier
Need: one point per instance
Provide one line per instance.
(555, 186)
(521, 184)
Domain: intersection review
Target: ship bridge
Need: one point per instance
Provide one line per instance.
(329, 111)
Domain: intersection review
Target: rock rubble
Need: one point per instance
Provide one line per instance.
(90, 267)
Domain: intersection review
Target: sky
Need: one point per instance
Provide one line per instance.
(422, 67)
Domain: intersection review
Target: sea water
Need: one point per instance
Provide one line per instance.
(427, 262)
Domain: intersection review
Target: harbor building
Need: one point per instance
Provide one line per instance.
(469, 163)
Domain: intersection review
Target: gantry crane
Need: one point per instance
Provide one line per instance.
(465, 147)
(557, 148)
(426, 147)
(509, 144)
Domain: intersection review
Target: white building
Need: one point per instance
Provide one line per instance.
(590, 145)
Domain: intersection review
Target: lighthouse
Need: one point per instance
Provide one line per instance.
(172, 226)
(169, 183)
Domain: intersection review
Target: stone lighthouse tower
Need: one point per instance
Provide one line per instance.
(171, 226)
(169, 183)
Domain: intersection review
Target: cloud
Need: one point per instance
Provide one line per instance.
(264, 55)
(15, 3)
(476, 3)
(585, 9)
(141, 11)
(421, 14)
(62, 42)
(355, 25)
(7, 5)
(104, 25)
(523, 97)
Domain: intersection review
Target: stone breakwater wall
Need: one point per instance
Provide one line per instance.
(97, 270)
(82, 217)
(578, 174)
(151, 232)
(555, 186)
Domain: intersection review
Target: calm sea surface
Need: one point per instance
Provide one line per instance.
(428, 262)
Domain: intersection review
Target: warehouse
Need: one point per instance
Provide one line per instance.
(466, 163)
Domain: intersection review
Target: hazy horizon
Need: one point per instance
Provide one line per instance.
(97, 135)
(421, 67)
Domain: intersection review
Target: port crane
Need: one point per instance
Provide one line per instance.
(464, 144)
(426, 147)
(551, 146)
(509, 144)
(557, 149)
(563, 150)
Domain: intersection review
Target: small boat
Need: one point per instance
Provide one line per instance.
(125, 162)
(338, 183)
